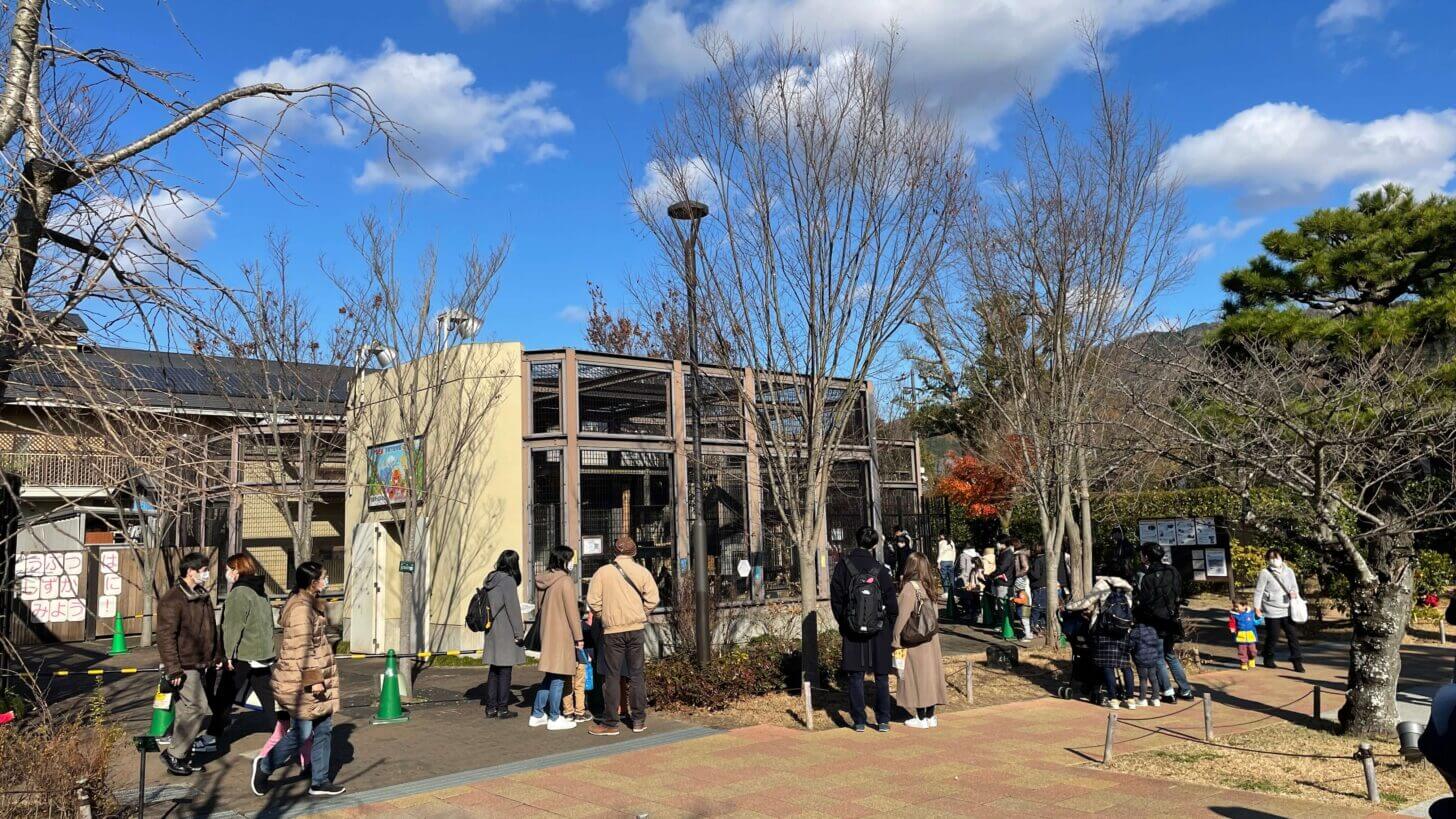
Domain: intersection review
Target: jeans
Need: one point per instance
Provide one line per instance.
(1109, 683)
(191, 712)
(320, 731)
(857, 697)
(1170, 659)
(1275, 625)
(947, 578)
(548, 696)
(1039, 607)
(498, 688)
(622, 656)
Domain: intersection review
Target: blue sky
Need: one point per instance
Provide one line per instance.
(534, 110)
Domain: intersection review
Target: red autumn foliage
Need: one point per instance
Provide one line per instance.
(983, 490)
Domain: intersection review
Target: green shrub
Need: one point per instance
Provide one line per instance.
(761, 666)
(1434, 572)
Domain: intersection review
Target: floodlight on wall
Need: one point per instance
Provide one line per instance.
(459, 322)
(377, 353)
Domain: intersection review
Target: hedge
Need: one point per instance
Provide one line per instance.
(762, 666)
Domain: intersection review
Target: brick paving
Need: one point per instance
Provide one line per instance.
(1034, 757)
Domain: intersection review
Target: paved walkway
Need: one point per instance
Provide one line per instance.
(1024, 758)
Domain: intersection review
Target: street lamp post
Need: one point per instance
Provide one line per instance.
(693, 212)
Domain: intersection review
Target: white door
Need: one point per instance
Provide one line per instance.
(365, 589)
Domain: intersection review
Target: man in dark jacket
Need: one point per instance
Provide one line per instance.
(865, 653)
(1159, 600)
(188, 645)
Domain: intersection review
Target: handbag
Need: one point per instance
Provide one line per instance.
(533, 634)
(1298, 609)
(922, 624)
(589, 676)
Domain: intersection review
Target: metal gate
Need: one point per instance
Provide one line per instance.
(924, 523)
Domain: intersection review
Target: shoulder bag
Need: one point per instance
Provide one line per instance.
(921, 625)
(533, 634)
(1298, 609)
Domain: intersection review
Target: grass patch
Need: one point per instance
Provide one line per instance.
(448, 661)
(1337, 780)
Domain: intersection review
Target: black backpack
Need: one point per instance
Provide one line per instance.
(1116, 617)
(866, 610)
(478, 617)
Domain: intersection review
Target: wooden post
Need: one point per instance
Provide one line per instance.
(1318, 711)
(970, 692)
(1107, 742)
(808, 702)
(1207, 717)
(83, 800)
(1367, 760)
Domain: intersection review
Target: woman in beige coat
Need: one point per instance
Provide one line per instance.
(922, 681)
(558, 617)
(305, 684)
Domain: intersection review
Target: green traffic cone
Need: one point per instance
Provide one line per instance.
(1007, 632)
(390, 710)
(161, 714)
(118, 636)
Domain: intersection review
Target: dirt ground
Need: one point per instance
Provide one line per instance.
(1338, 779)
(1038, 675)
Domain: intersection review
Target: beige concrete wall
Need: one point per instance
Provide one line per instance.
(474, 496)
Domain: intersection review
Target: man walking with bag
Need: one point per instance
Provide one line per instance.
(622, 594)
(188, 645)
(1277, 600)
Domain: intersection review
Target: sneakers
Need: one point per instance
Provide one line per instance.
(175, 766)
(204, 744)
(537, 722)
(932, 723)
(491, 713)
(916, 722)
(326, 789)
(582, 716)
(639, 726)
(1114, 704)
(859, 727)
(600, 730)
(1186, 696)
(1130, 705)
(259, 780)
(883, 727)
(561, 723)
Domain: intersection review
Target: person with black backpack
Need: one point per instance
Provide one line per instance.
(1159, 604)
(496, 610)
(1111, 648)
(862, 596)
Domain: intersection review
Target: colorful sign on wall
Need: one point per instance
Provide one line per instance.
(394, 468)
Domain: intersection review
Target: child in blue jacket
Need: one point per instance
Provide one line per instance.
(1244, 623)
(1147, 651)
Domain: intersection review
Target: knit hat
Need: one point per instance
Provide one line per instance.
(626, 546)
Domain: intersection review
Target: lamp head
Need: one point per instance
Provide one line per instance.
(687, 210)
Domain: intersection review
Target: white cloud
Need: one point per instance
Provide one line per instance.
(546, 151)
(662, 185)
(142, 234)
(1284, 153)
(573, 313)
(971, 54)
(1344, 15)
(456, 126)
(467, 13)
(1222, 229)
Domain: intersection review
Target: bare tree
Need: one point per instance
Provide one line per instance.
(290, 416)
(432, 400)
(1363, 440)
(832, 205)
(81, 192)
(1065, 260)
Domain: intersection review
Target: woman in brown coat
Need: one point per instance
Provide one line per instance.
(922, 681)
(560, 626)
(305, 684)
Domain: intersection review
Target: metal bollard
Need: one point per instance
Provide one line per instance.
(83, 800)
(808, 702)
(970, 692)
(1442, 623)
(1367, 760)
(1107, 742)
(1318, 711)
(1207, 717)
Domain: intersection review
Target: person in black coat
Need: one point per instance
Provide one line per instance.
(864, 654)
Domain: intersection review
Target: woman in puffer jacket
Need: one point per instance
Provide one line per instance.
(305, 683)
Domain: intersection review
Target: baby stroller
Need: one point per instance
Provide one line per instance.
(1085, 678)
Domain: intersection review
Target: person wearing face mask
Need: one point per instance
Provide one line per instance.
(1276, 588)
(247, 645)
(188, 644)
(305, 684)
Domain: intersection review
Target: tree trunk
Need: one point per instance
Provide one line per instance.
(408, 606)
(809, 609)
(1084, 510)
(1379, 612)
